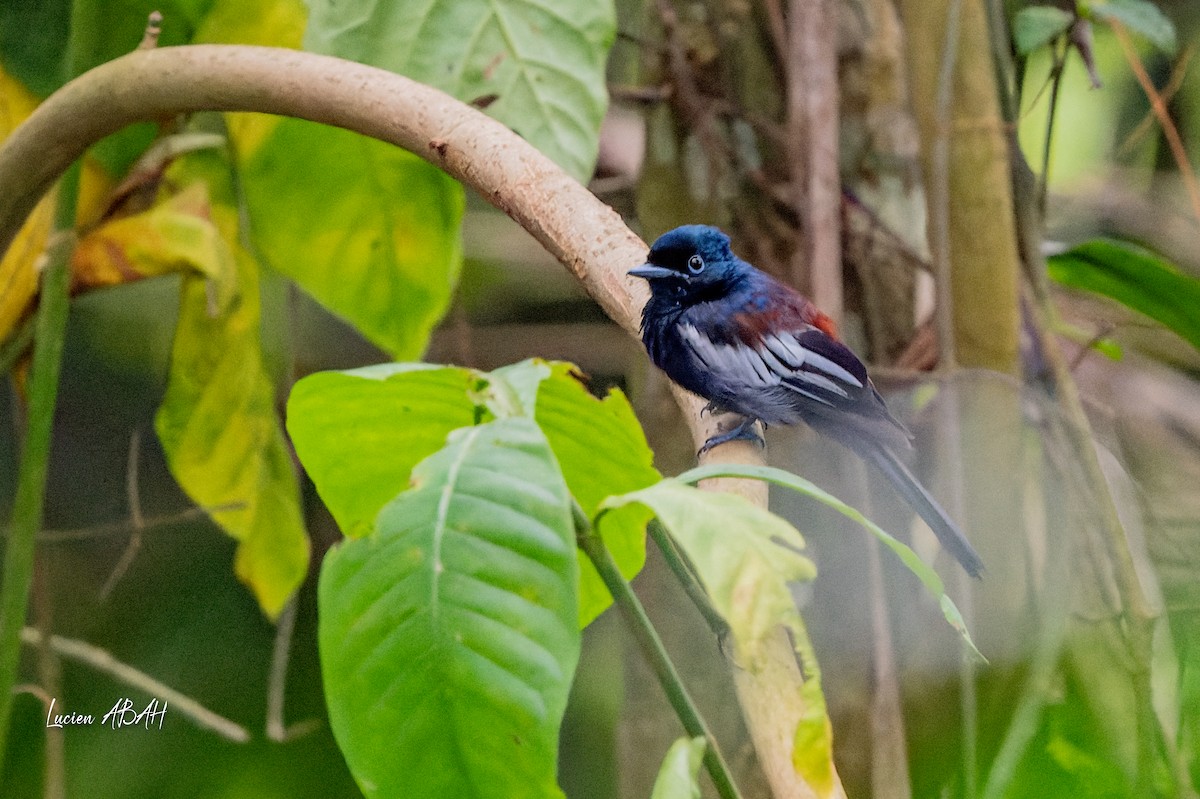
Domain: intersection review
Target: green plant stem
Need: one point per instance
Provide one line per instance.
(652, 647)
(684, 572)
(51, 328)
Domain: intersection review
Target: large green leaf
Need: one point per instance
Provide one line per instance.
(448, 637)
(745, 556)
(1136, 278)
(217, 423)
(369, 230)
(539, 62)
(360, 432)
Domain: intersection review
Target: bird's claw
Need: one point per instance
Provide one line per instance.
(711, 407)
(744, 431)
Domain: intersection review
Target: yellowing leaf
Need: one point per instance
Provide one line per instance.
(223, 441)
(18, 269)
(812, 747)
(16, 103)
(217, 423)
(177, 235)
(95, 193)
(745, 557)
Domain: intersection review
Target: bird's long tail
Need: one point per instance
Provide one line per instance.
(915, 494)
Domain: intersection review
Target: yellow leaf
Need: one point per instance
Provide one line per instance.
(18, 269)
(177, 235)
(95, 193)
(16, 103)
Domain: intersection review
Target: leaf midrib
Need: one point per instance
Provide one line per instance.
(440, 523)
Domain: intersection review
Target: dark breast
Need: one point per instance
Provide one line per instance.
(667, 351)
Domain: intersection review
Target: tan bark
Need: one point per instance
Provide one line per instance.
(984, 258)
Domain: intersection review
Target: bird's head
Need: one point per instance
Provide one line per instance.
(693, 261)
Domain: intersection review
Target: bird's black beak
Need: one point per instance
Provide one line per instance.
(651, 272)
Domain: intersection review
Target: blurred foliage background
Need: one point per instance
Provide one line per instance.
(698, 129)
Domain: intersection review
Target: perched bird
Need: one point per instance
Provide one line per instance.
(752, 346)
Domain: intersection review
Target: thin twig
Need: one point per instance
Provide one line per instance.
(647, 95)
(49, 671)
(891, 776)
(277, 729)
(1159, 106)
(277, 677)
(152, 32)
(1178, 74)
(1104, 332)
(124, 526)
(777, 27)
(101, 660)
(136, 521)
(1138, 610)
(654, 652)
(36, 691)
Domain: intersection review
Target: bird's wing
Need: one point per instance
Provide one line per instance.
(805, 361)
(817, 366)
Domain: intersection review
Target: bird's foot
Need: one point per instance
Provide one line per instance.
(744, 431)
(710, 408)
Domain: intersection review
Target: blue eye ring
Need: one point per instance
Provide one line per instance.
(695, 264)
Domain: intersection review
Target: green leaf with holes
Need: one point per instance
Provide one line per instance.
(537, 65)
(448, 636)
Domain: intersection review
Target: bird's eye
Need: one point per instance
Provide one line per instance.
(695, 264)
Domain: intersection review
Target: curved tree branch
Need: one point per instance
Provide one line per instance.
(587, 236)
